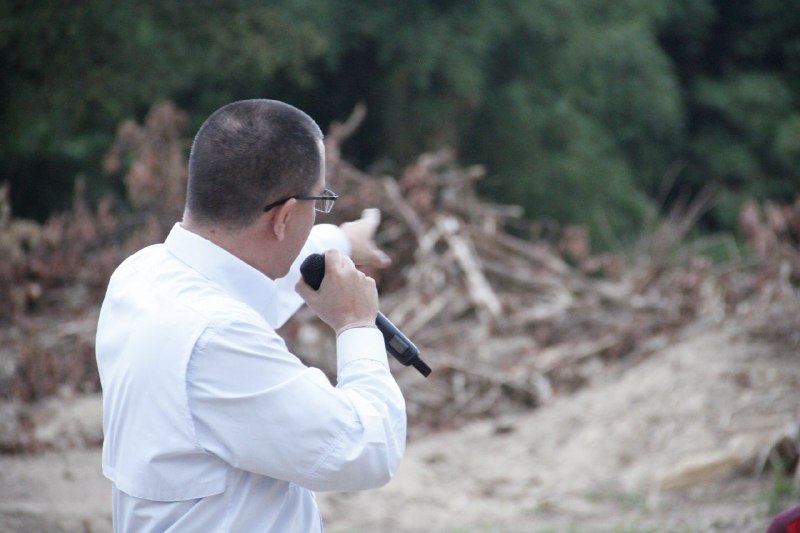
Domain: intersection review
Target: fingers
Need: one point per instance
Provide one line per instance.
(336, 260)
(379, 258)
(344, 267)
(372, 218)
(346, 295)
(361, 234)
(376, 257)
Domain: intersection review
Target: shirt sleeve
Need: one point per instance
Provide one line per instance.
(257, 407)
(323, 237)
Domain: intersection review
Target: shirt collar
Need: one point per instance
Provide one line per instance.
(216, 264)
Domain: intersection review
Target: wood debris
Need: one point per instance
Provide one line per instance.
(506, 320)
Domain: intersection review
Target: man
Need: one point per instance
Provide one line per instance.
(210, 423)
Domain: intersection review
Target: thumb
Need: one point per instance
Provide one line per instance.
(304, 289)
(361, 233)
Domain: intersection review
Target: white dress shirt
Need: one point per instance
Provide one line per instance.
(210, 423)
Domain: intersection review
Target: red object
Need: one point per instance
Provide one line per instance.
(786, 522)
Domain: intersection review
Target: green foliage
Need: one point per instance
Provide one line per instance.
(563, 166)
(579, 109)
(742, 105)
(784, 492)
(583, 129)
(73, 71)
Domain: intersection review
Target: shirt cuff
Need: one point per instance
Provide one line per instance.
(331, 236)
(360, 343)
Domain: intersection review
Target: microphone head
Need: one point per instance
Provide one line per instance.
(313, 270)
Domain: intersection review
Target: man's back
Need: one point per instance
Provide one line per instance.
(151, 319)
(209, 421)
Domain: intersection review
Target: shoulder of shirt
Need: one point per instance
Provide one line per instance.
(198, 298)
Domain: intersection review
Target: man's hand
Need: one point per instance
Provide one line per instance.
(365, 253)
(345, 297)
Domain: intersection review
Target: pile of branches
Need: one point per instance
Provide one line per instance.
(770, 292)
(53, 275)
(83, 245)
(507, 319)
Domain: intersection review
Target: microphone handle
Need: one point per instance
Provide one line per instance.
(400, 346)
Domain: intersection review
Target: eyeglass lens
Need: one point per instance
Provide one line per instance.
(325, 205)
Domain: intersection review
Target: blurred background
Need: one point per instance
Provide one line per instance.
(585, 112)
(575, 194)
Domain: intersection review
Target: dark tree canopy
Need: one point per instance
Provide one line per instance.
(580, 110)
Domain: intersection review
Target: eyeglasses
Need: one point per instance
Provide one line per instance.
(322, 203)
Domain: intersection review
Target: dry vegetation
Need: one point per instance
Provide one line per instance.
(505, 318)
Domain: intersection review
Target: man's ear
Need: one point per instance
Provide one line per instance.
(282, 216)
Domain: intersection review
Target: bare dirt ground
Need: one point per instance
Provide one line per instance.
(674, 442)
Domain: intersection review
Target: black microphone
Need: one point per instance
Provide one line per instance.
(397, 344)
